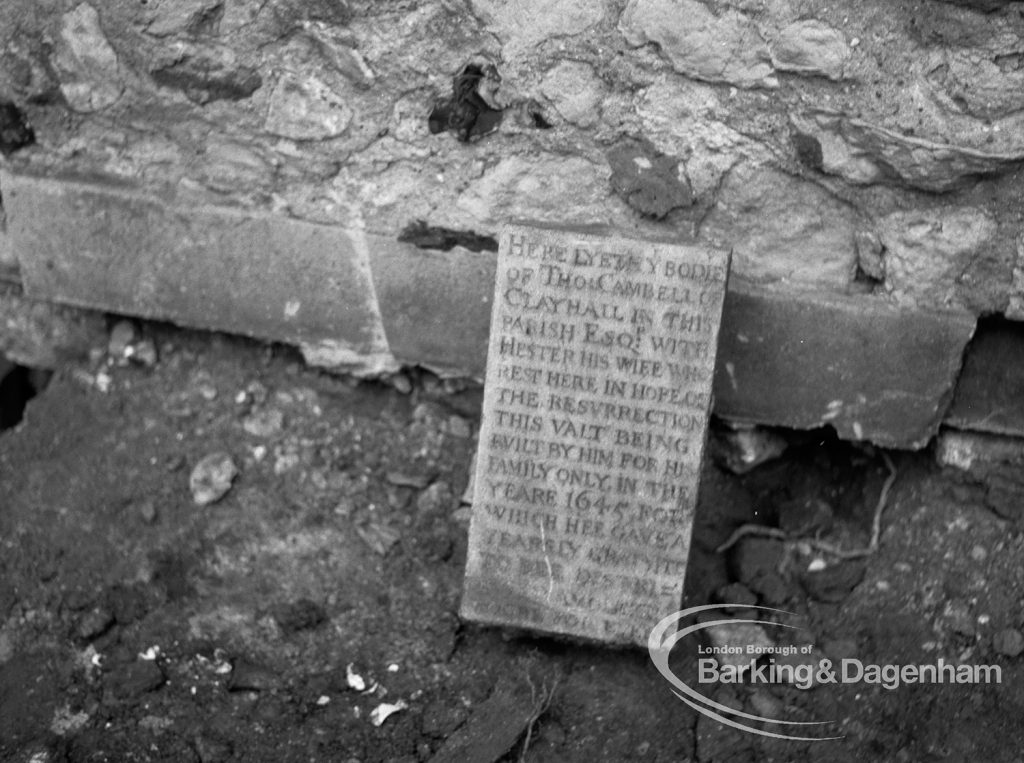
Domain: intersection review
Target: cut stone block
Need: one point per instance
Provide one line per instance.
(990, 392)
(266, 276)
(596, 404)
(436, 306)
(872, 370)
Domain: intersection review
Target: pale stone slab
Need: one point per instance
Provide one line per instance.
(115, 247)
(598, 389)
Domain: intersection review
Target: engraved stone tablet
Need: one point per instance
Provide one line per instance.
(598, 387)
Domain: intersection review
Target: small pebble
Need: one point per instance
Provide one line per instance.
(385, 710)
(264, 423)
(211, 478)
(401, 383)
(147, 510)
(1008, 642)
(459, 427)
(95, 623)
(121, 337)
(143, 353)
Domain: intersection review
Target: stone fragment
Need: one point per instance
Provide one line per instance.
(206, 74)
(834, 582)
(86, 65)
(545, 187)
(648, 180)
(459, 427)
(524, 24)
(122, 335)
(990, 390)
(1008, 642)
(978, 453)
(956, 616)
(757, 562)
(131, 681)
(930, 253)
(379, 537)
(266, 422)
(734, 639)
(864, 154)
(305, 108)
(251, 676)
(435, 498)
(495, 724)
(211, 478)
(1014, 310)
(212, 749)
(724, 48)
(810, 46)
(94, 623)
(184, 16)
(742, 447)
(783, 229)
(869, 255)
(405, 479)
(38, 334)
(871, 370)
(575, 90)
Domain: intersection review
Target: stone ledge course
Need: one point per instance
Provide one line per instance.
(360, 302)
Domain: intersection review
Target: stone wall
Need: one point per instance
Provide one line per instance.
(864, 151)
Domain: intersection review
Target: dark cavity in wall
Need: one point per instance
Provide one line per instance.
(18, 385)
(202, 81)
(471, 112)
(15, 131)
(989, 393)
(425, 236)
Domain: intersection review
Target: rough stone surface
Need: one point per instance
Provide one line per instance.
(865, 153)
(262, 276)
(990, 391)
(545, 188)
(929, 253)
(873, 371)
(725, 48)
(306, 108)
(176, 16)
(1015, 308)
(527, 23)
(647, 180)
(87, 66)
(211, 478)
(810, 47)
(783, 230)
(575, 90)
